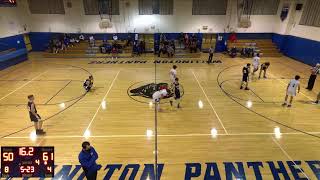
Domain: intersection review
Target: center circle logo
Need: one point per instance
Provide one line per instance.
(142, 91)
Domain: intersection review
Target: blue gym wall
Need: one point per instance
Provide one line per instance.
(301, 49)
(16, 42)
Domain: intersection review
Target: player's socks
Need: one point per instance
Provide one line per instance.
(171, 103)
(246, 88)
(241, 87)
(289, 105)
(284, 104)
(178, 106)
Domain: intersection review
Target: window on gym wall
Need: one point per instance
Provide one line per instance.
(149, 7)
(46, 6)
(96, 7)
(310, 15)
(259, 7)
(209, 7)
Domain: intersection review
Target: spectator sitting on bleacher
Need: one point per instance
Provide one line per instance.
(162, 50)
(193, 46)
(186, 41)
(173, 45)
(51, 46)
(91, 41)
(142, 46)
(170, 51)
(233, 52)
(114, 52)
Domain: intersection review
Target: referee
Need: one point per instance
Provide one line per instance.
(87, 159)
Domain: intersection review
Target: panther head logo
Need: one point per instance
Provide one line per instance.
(143, 91)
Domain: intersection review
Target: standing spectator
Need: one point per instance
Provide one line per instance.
(210, 55)
(114, 52)
(87, 159)
(314, 72)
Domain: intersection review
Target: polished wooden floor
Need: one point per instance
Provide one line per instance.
(251, 126)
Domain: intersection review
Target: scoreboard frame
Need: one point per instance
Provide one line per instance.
(27, 161)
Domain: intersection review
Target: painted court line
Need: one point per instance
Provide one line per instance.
(209, 102)
(160, 135)
(104, 97)
(288, 156)
(23, 85)
(287, 84)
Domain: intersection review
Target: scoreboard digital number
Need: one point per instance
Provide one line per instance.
(27, 162)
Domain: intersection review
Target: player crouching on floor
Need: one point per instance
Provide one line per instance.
(157, 96)
(88, 83)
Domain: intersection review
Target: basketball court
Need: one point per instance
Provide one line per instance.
(218, 122)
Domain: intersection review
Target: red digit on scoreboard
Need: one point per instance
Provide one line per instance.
(8, 156)
(24, 151)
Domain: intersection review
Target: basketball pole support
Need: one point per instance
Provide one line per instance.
(156, 128)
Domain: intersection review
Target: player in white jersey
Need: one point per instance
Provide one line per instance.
(255, 63)
(173, 74)
(292, 87)
(157, 96)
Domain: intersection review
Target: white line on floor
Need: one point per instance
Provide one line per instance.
(288, 156)
(209, 102)
(23, 85)
(160, 135)
(104, 97)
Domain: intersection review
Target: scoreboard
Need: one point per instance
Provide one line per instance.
(8, 3)
(25, 161)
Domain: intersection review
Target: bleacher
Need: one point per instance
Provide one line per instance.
(265, 46)
(82, 50)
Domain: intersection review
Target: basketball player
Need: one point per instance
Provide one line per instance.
(88, 83)
(173, 73)
(245, 76)
(177, 95)
(292, 90)
(34, 116)
(255, 63)
(264, 68)
(318, 99)
(157, 96)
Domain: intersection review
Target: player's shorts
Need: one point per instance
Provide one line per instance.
(34, 118)
(264, 68)
(291, 92)
(177, 95)
(245, 78)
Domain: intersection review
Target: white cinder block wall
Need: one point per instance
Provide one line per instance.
(12, 20)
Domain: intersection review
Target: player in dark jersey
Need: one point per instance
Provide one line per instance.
(177, 94)
(88, 83)
(245, 76)
(34, 116)
(264, 68)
